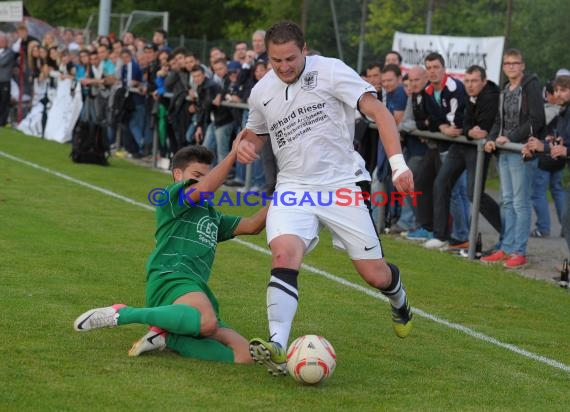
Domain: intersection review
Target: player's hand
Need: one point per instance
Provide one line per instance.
(246, 153)
(236, 142)
(405, 182)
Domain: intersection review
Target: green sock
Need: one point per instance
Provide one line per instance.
(177, 319)
(200, 348)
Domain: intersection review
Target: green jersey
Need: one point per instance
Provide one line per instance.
(187, 236)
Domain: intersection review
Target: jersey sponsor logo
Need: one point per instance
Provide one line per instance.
(309, 81)
(207, 231)
(299, 121)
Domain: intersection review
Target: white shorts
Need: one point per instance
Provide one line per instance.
(304, 213)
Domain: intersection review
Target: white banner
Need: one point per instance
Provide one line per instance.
(11, 11)
(458, 52)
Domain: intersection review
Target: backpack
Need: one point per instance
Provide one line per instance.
(89, 144)
(121, 105)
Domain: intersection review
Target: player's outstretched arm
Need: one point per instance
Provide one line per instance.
(390, 138)
(213, 180)
(252, 225)
(250, 145)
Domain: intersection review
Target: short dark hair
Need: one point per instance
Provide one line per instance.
(374, 65)
(477, 68)
(513, 53)
(435, 56)
(562, 81)
(192, 154)
(396, 53)
(163, 32)
(284, 32)
(179, 50)
(197, 68)
(392, 68)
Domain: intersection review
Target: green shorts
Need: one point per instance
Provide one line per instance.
(163, 289)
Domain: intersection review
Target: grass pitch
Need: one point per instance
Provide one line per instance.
(65, 248)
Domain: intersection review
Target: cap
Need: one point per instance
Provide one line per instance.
(563, 72)
(234, 66)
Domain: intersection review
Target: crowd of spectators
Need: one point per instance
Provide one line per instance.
(519, 111)
(180, 99)
(168, 90)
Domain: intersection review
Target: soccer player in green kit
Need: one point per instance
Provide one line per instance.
(181, 309)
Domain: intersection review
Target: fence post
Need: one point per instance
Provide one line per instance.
(475, 204)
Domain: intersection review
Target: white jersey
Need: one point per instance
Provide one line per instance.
(311, 123)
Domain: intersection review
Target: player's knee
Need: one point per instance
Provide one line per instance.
(208, 325)
(283, 258)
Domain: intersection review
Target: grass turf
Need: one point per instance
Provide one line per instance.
(66, 248)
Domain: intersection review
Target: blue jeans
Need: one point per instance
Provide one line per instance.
(223, 139)
(408, 214)
(459, 207)
(542, 180)
(136, 125)
(516, 190)
(209, 141)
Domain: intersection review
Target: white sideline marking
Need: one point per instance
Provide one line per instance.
(418, 312)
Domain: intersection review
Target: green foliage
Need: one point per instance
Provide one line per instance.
(388, 16)
(539, 28)
(541, 31)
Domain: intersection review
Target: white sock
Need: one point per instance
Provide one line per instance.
(282, 299)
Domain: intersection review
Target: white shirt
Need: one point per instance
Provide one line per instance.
(311, 123)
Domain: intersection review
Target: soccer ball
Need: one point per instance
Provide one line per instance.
(311, 359)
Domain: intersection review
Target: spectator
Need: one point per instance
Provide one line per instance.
(258, 45)
(480, 113)
(521, 115)
(7, 64)
(548, 173)
(240, 52)
(395, 101)
(132, 78)
(558, 148)
(82, 71)
(445, 107)
(177, 83)
(192, 60)
(395, 94)
(203, 97)
(34, 60)
(128, 39)
(223, 116)
(20, 47)
(49, 41)
(164, 134)
(160, 40)
(393, 57)
(68, 43)
(79, 41)
(415, 149)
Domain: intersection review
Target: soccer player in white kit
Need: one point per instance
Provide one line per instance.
(306, 107)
